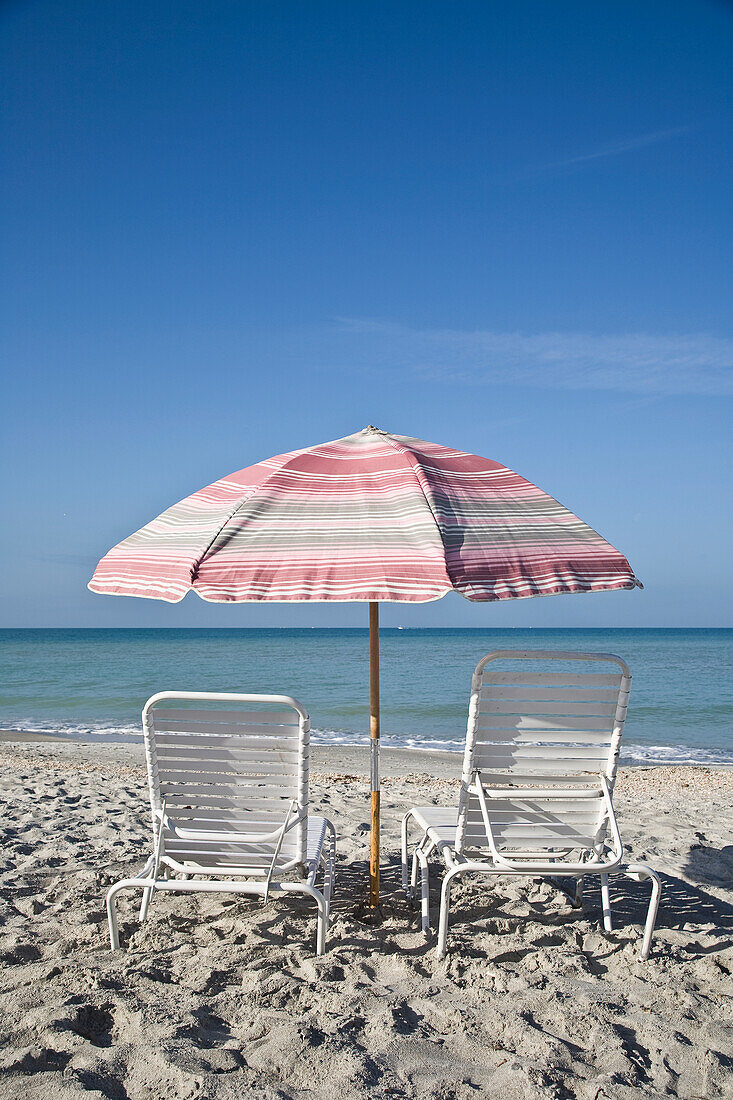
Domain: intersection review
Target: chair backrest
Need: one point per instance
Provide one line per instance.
(228, 770)
(547, 721)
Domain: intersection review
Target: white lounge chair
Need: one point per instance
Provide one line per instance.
(536, 790)
(229, 798)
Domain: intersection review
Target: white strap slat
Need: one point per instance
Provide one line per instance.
(533, 836)
(243, 853)
(277, 717)
(553, 693)
(517, 812)
(477, 838)
(240, 811)
(493, 675)
(250, 853)
(246, 820)
(230, 729)
(500, 778)
(270, 810)
(560, 768)
(535, 724)
(523, 829)
(570, 709)
(257, 787)
(584, 836)
(244, 739)
(244, 810)
(489, 755)
(213, 840)
(539, 782)
(550, 737)
(230, 842)
(185, 769)
(198, 867)
(223, 794)
(167, 754)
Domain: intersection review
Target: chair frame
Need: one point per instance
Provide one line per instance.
(155, 876)
(604, 858)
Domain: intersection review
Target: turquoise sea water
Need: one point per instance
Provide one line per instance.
(93, 683)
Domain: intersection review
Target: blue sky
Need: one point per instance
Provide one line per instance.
(232, 229)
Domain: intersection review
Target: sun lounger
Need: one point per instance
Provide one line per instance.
(229, 799)
(536, 791)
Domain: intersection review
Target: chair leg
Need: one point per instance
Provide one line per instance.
(321, 898)
(322, 921)
(140, 880)
(412, 885)
(145, 903)
(148, 894)
(639, 872)
(114, 931)
(329, 873)
(606, 904)
(317, 896)
(444, 907)
(424, 890)
(405, 854)
(111, 902)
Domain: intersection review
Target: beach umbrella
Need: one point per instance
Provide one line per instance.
(372, 518)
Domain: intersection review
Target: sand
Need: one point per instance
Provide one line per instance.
(218, 997)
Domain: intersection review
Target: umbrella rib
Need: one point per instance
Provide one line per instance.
(404, 452)
(293, 455)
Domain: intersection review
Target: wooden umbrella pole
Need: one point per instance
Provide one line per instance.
(374, 750)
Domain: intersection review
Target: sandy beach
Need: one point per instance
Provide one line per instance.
(219, 997)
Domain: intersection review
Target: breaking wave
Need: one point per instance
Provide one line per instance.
(631, 753)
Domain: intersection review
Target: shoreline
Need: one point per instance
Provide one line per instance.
(349, 764)
(441, 762)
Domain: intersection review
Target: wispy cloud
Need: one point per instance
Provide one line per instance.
(615, 148)
(638, 363)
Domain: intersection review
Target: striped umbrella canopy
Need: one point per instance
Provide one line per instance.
(372, 517)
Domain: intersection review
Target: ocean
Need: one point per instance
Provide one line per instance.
(91, 684)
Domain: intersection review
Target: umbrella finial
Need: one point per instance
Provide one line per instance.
(371, 428)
